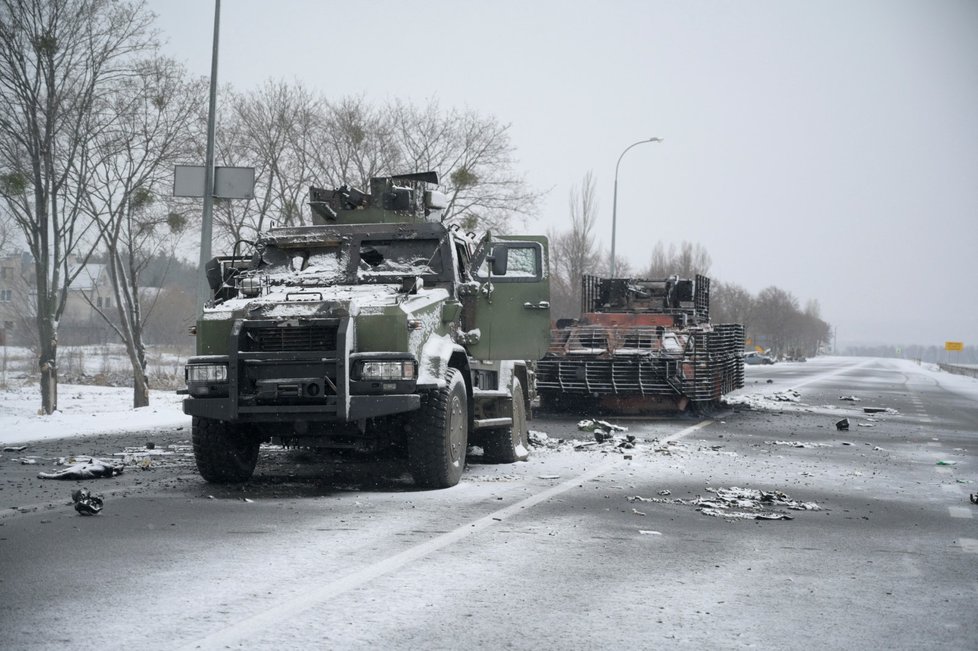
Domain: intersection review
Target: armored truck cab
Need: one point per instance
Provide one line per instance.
(378, 329)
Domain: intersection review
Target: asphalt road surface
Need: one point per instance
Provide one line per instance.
(586, 546)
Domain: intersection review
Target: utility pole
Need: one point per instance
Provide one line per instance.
(206, 224)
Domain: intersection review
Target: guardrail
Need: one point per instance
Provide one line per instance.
(971, 371)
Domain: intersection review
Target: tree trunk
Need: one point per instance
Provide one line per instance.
(140, 389)
(48, 363)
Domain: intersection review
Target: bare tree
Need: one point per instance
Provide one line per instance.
(474, 159)
(56, 57)
(574, 252)
(355, 142)
(130, 162)
(685, 261)
(276, 125)
(731, 303)
(774, 318)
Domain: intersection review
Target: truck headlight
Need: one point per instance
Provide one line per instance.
(207, 373)
(385, 369)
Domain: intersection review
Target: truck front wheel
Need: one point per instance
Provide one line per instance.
(439, 435)
(223, 454)
(510, 444)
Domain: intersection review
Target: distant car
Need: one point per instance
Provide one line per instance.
(757, 358)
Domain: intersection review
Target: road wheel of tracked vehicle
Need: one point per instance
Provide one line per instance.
(509, 444)
(439, 435)
(224, 455)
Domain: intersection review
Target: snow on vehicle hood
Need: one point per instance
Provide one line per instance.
(285, 302)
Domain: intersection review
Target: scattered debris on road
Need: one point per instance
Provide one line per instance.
(880, 410)
(740, 504)
(15, 448)
(798, 444)
(849, 398)
(590, 425)
(85, 502)
(942, 462)
(973, 498)
(86, 468)
(842, 425)
(542, 440)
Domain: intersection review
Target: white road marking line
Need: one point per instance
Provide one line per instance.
(825, 376)
(689, 430)
(962, 512)
(969, 545)
(318, 596)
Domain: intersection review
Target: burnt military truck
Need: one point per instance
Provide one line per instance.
(377, 330)
(641, 346)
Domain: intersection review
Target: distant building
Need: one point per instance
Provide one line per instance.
(90, 291)
(16, 300)
(79, 324)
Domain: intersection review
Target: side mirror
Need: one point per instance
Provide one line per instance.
(499, 260)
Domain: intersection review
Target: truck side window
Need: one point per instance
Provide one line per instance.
(463, 261)
(524, 263)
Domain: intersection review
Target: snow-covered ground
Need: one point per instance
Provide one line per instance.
(85, 410)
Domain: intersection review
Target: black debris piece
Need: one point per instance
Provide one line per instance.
(842, 425)
(85, 502)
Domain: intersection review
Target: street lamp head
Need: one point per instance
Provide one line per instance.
(614, 201)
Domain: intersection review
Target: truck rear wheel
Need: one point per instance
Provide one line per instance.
(223, 454)
(439, 435)
(509, 444)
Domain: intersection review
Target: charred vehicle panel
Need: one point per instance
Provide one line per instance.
(378, 329)
(641, 345)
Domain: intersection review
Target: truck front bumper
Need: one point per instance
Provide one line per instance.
(360, 407)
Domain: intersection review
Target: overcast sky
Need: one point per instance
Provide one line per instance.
(826, 147)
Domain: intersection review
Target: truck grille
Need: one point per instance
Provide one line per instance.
(289, 339)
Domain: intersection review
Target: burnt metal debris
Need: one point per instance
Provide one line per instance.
(639, 346)
(85, 502)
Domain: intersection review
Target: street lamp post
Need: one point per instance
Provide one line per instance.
(614, 201)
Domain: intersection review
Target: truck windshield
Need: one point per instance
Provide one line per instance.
(399, 258)
(318, 264)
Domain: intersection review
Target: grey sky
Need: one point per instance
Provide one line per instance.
(829, 148)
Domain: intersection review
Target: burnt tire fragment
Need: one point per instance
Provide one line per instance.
(224, 454)
(438, 438)
(509, 444)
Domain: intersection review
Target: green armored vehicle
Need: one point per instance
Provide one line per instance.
(378, 330)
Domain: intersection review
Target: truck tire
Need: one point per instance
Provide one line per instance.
(439, 435)
(223, 455)
(509, 444)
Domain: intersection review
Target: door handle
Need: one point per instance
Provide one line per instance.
(542, 305)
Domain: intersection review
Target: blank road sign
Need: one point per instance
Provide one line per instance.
(229, 182)
(953, 345)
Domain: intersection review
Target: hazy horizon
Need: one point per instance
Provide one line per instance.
(827, 148)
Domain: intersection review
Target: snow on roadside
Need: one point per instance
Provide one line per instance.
(84, 410)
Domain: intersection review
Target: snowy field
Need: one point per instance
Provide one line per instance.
(89, 409)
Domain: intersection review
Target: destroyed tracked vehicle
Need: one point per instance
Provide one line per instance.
(377, 330)
(640, 346)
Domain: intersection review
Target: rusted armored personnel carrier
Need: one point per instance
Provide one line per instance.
(641, 346)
